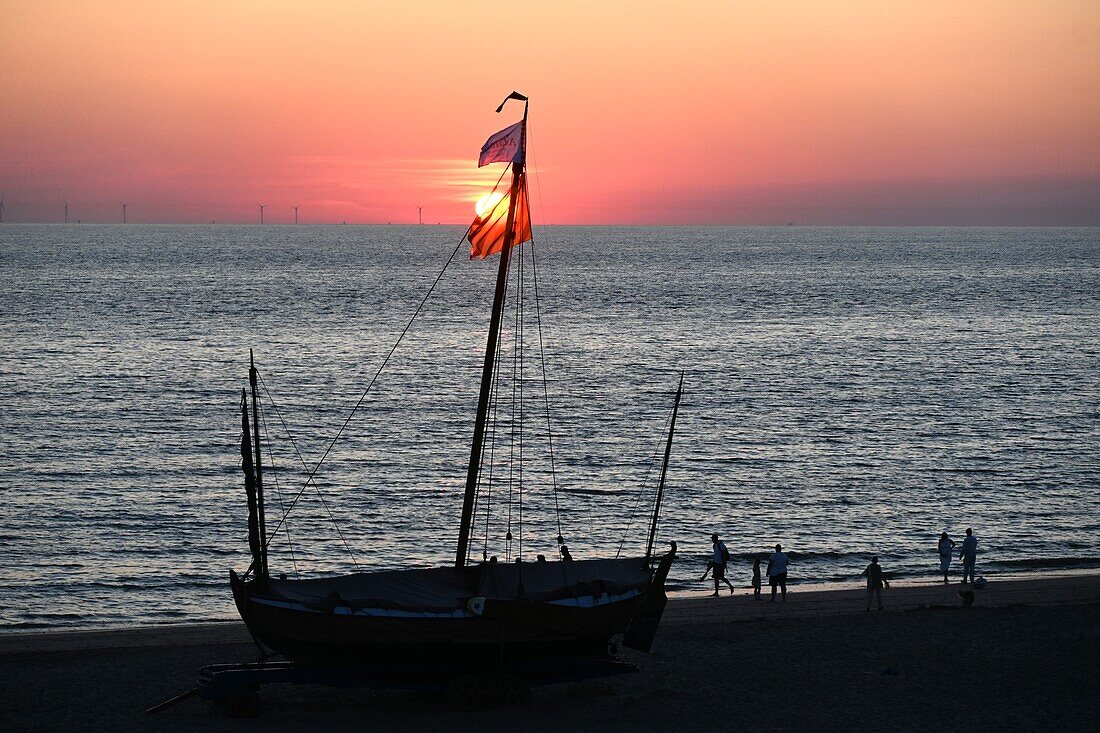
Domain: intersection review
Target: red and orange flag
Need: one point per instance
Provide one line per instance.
(487, 232)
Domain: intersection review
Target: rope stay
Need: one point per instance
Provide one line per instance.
(509, 536)
(520, 350)
(546, 398)
(313, 472)
(521, 286)
(515, 513)
(378, 373)
(316, 488)
(642, 488)
(275, 477)
(524, 287)
(542, 355)
(493, 404)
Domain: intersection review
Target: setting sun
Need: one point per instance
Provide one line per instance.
(488, 202)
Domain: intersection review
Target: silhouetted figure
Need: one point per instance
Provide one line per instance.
(968, 555)
(875, 582)
(756, 579)
(947, 549)
(777, 571)
(719, 560)
(565, 556)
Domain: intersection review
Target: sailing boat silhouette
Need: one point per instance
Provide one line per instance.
(483, 615)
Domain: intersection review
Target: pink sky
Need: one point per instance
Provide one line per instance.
(838, 112)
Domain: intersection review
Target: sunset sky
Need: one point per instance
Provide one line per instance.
(840, 112)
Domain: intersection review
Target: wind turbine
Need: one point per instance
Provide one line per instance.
(124, 205)
(296, 214)
(420, 214)
(66, 212)
(261, 212)
(1, 207)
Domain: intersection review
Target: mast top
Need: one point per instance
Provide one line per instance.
(518, 166)
(514, 95)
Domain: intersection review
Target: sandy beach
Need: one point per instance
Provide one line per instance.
(1025, 656)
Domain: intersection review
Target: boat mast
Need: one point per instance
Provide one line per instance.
(491, 347)
(261, 571)
(664, 470)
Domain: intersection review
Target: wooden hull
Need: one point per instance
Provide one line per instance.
(495, 634)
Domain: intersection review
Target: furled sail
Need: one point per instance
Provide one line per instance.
(254, 544)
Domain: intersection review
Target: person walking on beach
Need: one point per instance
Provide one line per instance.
(968, 555)
(756, 578)
(947, 549)
(875, 582)
(719, 560)
(777, 572)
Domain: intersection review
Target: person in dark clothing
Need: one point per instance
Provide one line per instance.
(968, 555)
(777, 571)
(875, 582)
(756, 579)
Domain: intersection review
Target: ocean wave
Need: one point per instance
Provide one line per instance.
(28, 626)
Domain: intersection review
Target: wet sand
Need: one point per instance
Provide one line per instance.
(1025, 656)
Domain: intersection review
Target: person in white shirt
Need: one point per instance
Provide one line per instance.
(718, 563)
(777, 571)
(946, 548)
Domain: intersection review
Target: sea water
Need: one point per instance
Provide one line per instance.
(846, 392)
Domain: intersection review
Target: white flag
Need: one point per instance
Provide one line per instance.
(505, 146)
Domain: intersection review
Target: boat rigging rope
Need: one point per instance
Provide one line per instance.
(492, 431)
(546, 397)
(642, 488)
(385, 361)
(542, 351)
(316, 488)
(519, 389)
(493, 403)
(275, 477)
(516, 424)
(512, 419)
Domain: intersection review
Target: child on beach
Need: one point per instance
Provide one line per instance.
(756, 579)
